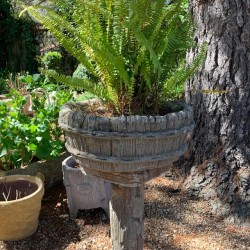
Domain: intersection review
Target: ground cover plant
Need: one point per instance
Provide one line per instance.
(25, 137)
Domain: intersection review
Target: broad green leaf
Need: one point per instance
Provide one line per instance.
(33, 128)
(32, 147)
(36, 77)
(3, 152)
(38, 138)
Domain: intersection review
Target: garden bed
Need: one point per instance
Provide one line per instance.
(172, 221)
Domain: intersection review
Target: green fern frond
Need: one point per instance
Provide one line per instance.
(54, 22)
(183, 73)
(144, 42)
(82, 84)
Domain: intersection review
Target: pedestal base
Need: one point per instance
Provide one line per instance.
(126, 217)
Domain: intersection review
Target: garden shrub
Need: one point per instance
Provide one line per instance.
(82, 73)
(52, 60)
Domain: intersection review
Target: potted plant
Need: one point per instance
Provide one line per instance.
(20, 204)
(134, 54)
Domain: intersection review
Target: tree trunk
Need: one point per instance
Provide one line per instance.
(218, 167)
(126, 217)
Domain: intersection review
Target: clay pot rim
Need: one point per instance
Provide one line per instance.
(34, 179)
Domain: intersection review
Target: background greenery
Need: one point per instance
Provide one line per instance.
(18, 44)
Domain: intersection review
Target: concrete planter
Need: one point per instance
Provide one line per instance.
(84, 191)
(127, 151)
(19, 214)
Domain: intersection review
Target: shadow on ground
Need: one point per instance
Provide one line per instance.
(172, 221)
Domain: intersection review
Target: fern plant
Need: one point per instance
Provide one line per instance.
(135, 50)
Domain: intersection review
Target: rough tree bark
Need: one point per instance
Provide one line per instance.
(218, 166)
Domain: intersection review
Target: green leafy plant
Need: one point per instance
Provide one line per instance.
(34, 81)
(52, 60)
(135, 49)
(24, 138)
(25, 83)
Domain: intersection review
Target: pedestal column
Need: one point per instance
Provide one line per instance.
(126, 217)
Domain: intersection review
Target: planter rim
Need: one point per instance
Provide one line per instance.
(66, 163)
(33, 179)
(73, 118)
(70, 106)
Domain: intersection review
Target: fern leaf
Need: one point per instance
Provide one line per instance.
(82, 84)
(181, 75)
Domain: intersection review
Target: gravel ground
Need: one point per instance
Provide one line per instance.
(172, 221)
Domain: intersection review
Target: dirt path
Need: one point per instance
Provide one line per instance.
(172, 221)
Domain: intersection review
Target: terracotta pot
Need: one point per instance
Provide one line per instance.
(19, 214)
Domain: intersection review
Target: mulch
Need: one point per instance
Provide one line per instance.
(172, 221)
